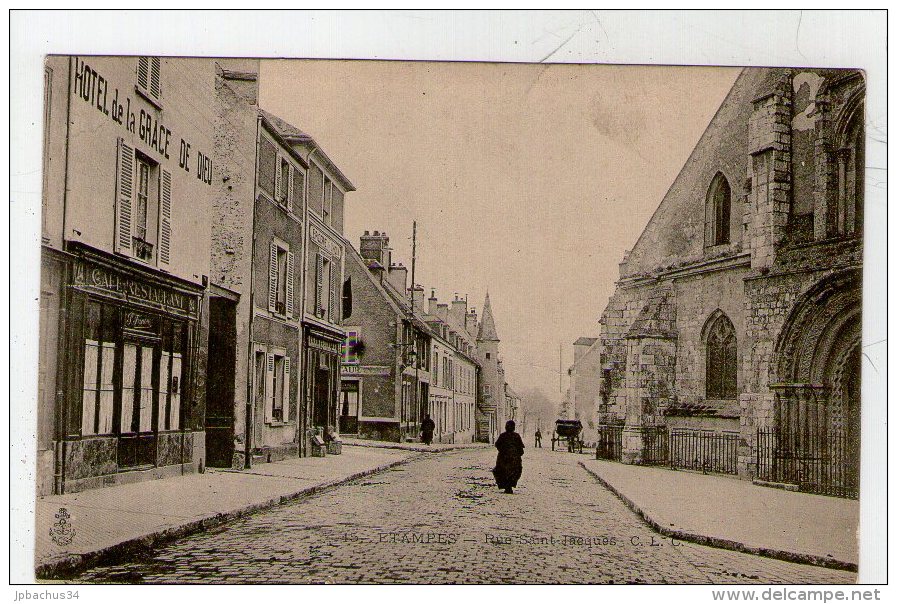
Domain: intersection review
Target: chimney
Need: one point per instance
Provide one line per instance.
(432, 301)
(442, 312)
(458, 311)
(470, 322)
(398, 277)
(242, 76)
(376, 247)
(417, 296)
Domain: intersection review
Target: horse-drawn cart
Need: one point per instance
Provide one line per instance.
(569, 431)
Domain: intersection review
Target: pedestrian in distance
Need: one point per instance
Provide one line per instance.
(538, 438)
(426, 430)
(508, 465)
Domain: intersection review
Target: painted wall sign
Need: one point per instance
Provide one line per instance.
(91, 87)
(380, 370)
(325, 345)
(95, 278)
(138, 321)
(328, 245)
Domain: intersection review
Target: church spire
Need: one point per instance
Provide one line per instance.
(487, 324)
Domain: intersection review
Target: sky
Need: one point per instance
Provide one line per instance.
(529, 181)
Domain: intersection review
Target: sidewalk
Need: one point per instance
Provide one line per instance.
(735, 514)
(117, 521)
(413, 446)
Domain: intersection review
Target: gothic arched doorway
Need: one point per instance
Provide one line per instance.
(815, 438)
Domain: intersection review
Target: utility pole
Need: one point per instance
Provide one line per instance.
(413, 334)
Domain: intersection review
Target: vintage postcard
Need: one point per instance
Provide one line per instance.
(433, 322)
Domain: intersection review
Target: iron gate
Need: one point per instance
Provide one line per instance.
(610, 443)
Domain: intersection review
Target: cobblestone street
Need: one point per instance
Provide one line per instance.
(440, 519)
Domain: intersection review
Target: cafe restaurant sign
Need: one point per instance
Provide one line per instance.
(97, 279)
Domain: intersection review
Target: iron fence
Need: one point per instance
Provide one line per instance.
(709, 452)
(610, 443)
(656, 445)
(817, 463)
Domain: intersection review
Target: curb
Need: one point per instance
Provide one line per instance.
(70, 565)
(721, 543)
(415, 449)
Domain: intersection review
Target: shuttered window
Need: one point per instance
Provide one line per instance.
(143, 208)
(298, 189)
(267, 167)
(281, 270)
(273, 384)
(149, 77)
(334, 292)
(124, 199)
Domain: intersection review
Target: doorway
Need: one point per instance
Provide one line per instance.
(139, 402)
(220, 380)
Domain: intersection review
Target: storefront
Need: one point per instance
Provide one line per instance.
(322, 379)
(128, 357)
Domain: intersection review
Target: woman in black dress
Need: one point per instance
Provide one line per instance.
(508, 465)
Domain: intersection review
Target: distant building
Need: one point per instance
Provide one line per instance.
(453, 383)
(738, 311)
(386, 365)
(585, 381)
(491, 410)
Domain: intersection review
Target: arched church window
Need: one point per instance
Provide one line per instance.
(722, 359)
(850, 171)
(717, 212)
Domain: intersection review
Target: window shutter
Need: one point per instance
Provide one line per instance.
(319, 285)
(290, 189)
(269, 386)
(285, 404)
(155, 79)
(334, 292)
(143, 70)
(165, 218)
(298, 188)
(272, 279)
(124, 198)
(278, 181)
(290, 284)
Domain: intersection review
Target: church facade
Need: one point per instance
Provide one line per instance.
(734, 332)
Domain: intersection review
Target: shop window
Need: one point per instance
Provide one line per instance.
(98, 393)
(149, 78)
(281, 279)
(721, 359)
(143, 227)
(350, 399)
(717, 212)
